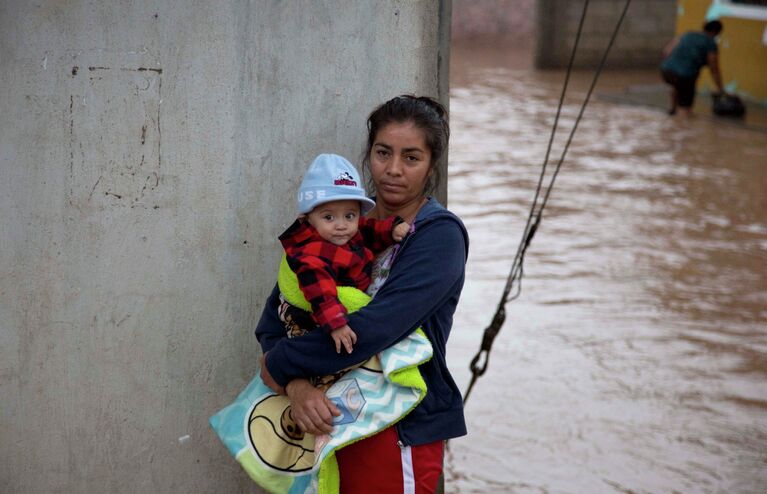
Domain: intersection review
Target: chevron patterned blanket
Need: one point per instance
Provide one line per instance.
(260, 433)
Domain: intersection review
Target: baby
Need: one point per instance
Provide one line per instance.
(332, 243)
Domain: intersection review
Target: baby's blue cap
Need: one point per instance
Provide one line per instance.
(331, 178)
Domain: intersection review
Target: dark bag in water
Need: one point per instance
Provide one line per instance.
(727, 105)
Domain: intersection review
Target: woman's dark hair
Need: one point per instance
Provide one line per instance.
(713, 27)
(426, 114)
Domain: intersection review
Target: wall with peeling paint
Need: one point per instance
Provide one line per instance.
(149, 155)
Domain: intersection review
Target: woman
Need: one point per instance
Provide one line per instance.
(418, 283)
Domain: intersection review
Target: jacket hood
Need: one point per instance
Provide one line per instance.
(432, 211)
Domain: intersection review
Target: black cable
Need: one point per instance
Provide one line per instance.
(536, 214)
(527, 235)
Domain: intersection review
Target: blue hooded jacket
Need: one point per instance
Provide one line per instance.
(422, 289)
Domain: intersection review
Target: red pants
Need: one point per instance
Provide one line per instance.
(379, 465)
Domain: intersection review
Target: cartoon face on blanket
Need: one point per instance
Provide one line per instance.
(277, 439)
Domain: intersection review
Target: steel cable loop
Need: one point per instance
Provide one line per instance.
(536, 212)
(487, 342)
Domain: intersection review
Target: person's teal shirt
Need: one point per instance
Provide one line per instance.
(689, 55)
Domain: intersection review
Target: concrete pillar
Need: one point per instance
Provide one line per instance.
(149, 156)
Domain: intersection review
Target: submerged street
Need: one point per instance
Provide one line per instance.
(635, 359)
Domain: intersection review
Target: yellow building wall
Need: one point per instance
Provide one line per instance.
(742, 52)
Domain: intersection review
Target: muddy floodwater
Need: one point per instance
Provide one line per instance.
(635, 359)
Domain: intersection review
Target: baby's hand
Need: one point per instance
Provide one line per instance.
(344, 335)
(399, 231)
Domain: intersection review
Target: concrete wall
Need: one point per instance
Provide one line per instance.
(648, 26)
(149, 156)
(512, 20)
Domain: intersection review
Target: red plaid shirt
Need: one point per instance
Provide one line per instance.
(321, 265)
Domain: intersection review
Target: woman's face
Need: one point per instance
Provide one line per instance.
(400, 163)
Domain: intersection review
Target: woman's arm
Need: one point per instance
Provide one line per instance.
(270, 329)
(312, 410)
(425, 275)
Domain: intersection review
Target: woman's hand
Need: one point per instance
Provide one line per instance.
(268, 379)
(311, 409)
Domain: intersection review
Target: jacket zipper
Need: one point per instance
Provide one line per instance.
(400, 443)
